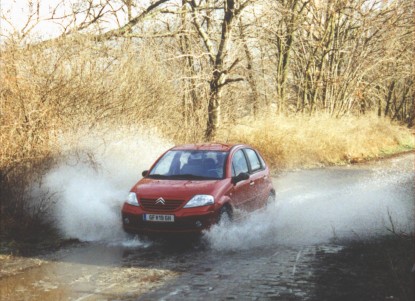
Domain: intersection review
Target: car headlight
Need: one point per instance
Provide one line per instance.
(132, 199)
(200, 200)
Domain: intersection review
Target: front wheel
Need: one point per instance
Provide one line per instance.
(225, 216)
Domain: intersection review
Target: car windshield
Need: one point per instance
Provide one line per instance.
(190, 165)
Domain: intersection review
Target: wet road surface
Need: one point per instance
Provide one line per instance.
(269, 255)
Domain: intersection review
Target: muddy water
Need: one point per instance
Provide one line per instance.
(266, 256)
(87, 272)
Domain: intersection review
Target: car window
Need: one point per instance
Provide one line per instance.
(190, 164)
(164, 165)
(253, 159)
(262, 160)
(239, 163)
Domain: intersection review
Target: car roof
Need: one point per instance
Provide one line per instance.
(206, 146)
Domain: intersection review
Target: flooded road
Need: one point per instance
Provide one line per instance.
(268, 255)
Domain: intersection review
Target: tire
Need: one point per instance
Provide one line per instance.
(225, 216)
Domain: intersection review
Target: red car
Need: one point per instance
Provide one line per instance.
(191, 187)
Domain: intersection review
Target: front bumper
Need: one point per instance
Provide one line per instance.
(192, 220)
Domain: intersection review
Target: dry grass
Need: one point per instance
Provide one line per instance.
(306, 141)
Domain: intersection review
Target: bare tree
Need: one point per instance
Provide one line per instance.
(217, 48)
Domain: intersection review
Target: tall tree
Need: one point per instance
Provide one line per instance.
(217, 47)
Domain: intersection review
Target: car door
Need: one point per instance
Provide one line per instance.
(258, 180)
(242, 193)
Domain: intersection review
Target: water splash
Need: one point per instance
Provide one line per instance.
(90, 190)
(318, 206)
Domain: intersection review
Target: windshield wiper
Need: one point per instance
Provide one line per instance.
(190, 177)
(158, 176)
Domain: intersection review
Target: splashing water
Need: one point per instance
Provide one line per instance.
(89, 196)
(316, 206)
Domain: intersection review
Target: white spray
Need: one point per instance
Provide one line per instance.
(90, 192)
(318, 206)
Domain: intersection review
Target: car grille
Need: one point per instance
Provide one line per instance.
(170, 205)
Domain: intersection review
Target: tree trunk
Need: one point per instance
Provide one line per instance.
(214, 103)
(251, 78)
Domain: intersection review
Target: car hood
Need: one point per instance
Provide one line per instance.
(175, 189)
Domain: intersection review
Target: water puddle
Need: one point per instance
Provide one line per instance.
(92, 272)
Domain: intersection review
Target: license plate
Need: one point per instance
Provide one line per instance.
(158, 218)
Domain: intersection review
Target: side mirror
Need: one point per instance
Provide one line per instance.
(241, 177)
(144, 173)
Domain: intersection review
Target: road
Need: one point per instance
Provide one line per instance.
(275, 254)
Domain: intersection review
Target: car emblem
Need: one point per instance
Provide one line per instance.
(160, 201)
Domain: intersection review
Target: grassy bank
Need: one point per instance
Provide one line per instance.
(320, 140)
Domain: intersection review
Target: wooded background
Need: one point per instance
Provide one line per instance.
(214, 60)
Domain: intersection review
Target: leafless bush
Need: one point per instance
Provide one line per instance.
(71, 85)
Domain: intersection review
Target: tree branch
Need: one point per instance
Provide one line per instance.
(127, 27)
(203, 34)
